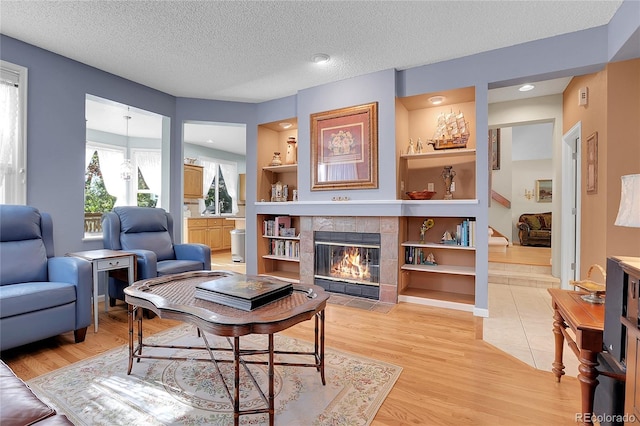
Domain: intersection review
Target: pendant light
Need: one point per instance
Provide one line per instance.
(126, 169)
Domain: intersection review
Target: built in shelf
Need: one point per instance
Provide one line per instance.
(437, 245)
(462, 152)
(285, 258)
(284, 276)
(440, 299)
(281, 238)
(441, 269)
(281, 169)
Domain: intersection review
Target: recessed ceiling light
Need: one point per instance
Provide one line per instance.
(209, 140)
(320, 58)
(436, 100)
(285, 125)
(526, 87)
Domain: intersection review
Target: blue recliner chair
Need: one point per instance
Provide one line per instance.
(40, 295)
(148, 232)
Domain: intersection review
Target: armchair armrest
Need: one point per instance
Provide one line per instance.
(524, 226)
(193, 251)
(79, 273)
(147, 263)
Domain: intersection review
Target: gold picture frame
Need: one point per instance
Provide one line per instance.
(344, 148)
(544, 190)
(592, 163)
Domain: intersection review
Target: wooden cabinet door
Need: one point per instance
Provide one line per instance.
(215, 238)
(226, 236)
(198, 235)
(193, 176)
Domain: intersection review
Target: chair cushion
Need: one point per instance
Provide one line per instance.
(532, 221)
(20, 406)
(23, 261)
(169, 267)
(142, 219)
(19, 223)
(18, 299)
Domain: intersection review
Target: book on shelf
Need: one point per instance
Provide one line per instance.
(274, 227)
(244, 292)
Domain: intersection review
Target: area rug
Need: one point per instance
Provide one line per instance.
(98, 391)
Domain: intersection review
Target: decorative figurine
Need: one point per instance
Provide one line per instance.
(448, 175)
(426, 225)
(420, 147)
(431, 259)
(410, 150)
(276, 160)
(292, 151)
(447, 238)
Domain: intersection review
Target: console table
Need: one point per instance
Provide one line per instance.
(173, 297)
(105, 261)
(586, 320)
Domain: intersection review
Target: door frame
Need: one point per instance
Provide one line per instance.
(570, 206)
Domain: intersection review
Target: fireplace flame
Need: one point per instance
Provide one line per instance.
(350, 265)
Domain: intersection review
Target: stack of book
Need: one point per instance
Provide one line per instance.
(242, 291)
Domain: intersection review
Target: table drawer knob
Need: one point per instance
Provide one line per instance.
(116, 263)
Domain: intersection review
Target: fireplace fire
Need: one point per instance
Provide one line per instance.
(348, 262)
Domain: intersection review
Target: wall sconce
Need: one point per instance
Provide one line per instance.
(629, 211)
(528, 194)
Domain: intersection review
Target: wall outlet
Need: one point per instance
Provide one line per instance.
(453, 187)
(430, 187)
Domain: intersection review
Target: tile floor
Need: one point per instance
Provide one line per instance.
(521, 322)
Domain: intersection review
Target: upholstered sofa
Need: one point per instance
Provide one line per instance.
(534, 229)
(148, 232)
(41, 295)
(20, 406)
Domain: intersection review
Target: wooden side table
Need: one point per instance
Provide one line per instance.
(586, 320)
(105, 261)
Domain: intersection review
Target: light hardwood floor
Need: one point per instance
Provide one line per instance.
(448, 377)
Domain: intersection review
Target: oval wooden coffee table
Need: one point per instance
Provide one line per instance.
(172, 297)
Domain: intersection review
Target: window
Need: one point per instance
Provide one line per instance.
(13, 141)
(147, 163)
(220, 186)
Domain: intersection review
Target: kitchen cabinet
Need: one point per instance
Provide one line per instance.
(193, 176)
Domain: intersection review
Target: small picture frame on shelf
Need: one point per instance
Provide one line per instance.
(288, 232)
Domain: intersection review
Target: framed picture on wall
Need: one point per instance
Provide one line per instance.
(494, 144)
(592, 163)
(344, 148)
(544, 192)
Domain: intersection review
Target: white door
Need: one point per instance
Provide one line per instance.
(570, 237)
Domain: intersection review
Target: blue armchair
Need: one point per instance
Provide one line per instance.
(40, 295)
(148, 232)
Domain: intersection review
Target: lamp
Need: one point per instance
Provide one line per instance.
(528, 194)
(125, 168)
(629, 211)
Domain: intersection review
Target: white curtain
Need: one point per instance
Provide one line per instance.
(230, 175)
(110, 161)
(11, 179)
(150, 164)
(209, 171)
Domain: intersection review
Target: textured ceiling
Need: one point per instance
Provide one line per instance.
(255, 51)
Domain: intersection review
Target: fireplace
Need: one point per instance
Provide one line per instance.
(348, 263)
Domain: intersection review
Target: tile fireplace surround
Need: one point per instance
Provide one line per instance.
(387, 227)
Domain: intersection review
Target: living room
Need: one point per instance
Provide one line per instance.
(57, 133)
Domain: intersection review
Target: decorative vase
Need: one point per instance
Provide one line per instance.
(292, 151)
(448, 175)
(276, 160)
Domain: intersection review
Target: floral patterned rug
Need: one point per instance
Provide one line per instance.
(98, 391)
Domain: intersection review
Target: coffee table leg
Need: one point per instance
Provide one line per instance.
(130, 320)
(271, 386)
(320, 316)
(236, 381)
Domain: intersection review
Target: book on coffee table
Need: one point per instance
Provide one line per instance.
(243, 291)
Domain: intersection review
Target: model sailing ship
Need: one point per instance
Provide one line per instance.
(452, 131)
